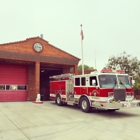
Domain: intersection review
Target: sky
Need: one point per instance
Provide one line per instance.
(110, 27)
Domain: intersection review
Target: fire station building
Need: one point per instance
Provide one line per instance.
(25, 68)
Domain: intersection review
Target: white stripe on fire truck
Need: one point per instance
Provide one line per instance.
(77, 96)
(98, 98)
(63, 96)
(52, 95)
(103, 98)
(93, 98)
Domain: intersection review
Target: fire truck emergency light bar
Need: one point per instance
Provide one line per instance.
(112, 71)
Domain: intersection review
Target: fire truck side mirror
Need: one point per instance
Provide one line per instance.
(133, 82)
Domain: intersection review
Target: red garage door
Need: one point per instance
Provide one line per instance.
(13, 82)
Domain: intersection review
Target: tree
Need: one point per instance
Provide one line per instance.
(86, 67)
(125, 62)
(137, 83)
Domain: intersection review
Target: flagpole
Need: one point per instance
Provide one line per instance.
(82, 37)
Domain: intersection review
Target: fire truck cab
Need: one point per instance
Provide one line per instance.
(101, 90)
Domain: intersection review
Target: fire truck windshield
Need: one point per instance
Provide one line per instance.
(107, 81)
(124, 81)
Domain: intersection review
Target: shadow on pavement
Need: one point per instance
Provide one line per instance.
(105, 113)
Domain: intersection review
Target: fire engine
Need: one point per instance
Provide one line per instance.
(106, 89)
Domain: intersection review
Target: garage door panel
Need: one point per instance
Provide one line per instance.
(13, 75)
(6, 96)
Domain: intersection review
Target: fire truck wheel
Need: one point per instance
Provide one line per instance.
(58, 100)
(84, 104)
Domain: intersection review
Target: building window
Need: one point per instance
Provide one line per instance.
(21, 87)
(16, 87)
(13, 87)
(2, 87)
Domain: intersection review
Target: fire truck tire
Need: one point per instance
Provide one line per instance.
(85, 105)
(58, 100)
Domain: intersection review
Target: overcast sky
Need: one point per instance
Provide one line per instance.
(110, 26)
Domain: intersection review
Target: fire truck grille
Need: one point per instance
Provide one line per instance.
(119, 94)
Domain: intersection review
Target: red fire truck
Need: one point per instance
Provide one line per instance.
(107, 90)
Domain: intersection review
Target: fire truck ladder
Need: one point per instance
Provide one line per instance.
(61, 76)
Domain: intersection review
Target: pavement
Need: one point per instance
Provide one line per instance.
(47, 121)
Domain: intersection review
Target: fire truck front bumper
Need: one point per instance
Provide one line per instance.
(116, 105)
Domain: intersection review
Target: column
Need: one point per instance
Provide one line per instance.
(37, 78)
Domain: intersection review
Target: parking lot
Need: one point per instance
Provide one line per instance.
(47, 121)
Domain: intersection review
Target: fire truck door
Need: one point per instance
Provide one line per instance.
(83, 85)
(93, 88)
